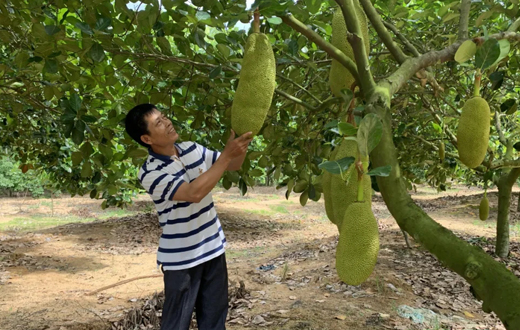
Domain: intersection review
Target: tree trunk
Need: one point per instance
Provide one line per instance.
(505, 187)
(492, 282)
(518, 204)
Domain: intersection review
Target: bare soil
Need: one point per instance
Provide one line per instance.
(282, 252)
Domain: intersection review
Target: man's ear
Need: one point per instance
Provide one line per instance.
(146, 139)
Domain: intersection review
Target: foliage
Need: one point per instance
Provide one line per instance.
(13, 180)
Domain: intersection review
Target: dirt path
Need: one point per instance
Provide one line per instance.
(283, 253)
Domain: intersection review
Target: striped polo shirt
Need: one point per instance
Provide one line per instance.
(191, 232)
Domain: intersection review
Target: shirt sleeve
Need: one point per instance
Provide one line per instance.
(160, 185)
(208, 156)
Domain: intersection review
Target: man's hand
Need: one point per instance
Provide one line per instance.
(236, 147)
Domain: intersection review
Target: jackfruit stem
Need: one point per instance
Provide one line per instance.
(256, 21)
(478, 76)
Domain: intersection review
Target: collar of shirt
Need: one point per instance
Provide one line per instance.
(164, 157)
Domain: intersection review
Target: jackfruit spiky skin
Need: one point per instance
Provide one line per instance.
(255, 87)
(441, 151)
(345, 194)
(358, 246)
(339, 76)
(327, 194)
(473, 132)
(483, 210)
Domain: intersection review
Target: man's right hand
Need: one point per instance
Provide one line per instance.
(236, 147)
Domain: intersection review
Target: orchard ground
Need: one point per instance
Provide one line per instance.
(54, 252)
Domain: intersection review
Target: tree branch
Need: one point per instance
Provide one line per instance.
(324, 105)
(299, 86)
(506, 163)
(355, 38)
(435, 147)
(465, 6)
(294, 99)
(438, 120)
(321, 43)
(403, 39)
(413, 65)
(383, 33)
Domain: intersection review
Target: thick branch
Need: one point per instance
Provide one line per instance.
(355, 38)
(413, 65)
(506, 163)
(498, 126)
(383, 33)
(335, 53)
(465, 6)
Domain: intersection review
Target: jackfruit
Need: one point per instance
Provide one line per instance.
(441, 151)
(358, 246)
(339, 76)
(345, 194)
(256, 85)
(483, 209)
(473, 132)
(327, 193)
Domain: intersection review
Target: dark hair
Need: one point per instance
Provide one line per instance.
(135, 123)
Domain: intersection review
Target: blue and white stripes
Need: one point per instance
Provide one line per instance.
(192, 233)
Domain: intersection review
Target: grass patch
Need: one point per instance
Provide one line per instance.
(262, 212)
(279, 209)
(115, 213)
(39, 221)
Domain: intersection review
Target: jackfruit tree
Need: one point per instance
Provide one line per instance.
(70, 70)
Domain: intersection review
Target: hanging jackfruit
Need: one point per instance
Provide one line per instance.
(339, 76)
(358, 246)
(473, 132)
(483, 209)
(441, 151)
(345, 194)
(327, 193)
(256, 85)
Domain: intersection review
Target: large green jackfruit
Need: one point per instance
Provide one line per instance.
(255, 87)
(473, 132)
(345, 194)
(483, 209)
(358, 245)
(339, 76)
(327, 193)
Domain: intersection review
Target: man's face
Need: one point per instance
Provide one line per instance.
(161, 131)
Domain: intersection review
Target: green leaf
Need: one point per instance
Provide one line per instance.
(86, 150)
(224, 50)
(337, 166)
(51, 66)
(300, 186)
(242, 186)
(380, 171)
(48, 92)
(290, 186)
(509, 106)
(505, 47)
(85, 28)
(487, 54)
(226, 183)
(215, 72)
(78, 133)
(103, 23)
(138, 153)
(496, 78)
(75, 102)
(256, 172)
(202, 16)
(466, 51)
(52, 29)
(77, 158)
(275, 20)
(97, 53)
(312, 192)
(369, 133)
(347, 129)
(86, 170)
(304, 197)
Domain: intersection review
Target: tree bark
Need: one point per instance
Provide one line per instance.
(492, 282)
(518, 204)
(505, 187)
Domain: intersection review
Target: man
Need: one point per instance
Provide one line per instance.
(179, 178)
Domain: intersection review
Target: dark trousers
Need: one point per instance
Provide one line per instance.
(203, 287)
